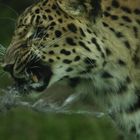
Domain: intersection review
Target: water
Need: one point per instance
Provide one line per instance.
(11, 98)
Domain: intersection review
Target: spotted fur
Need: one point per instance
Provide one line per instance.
(95, 44)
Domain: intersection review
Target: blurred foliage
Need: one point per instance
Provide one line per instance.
(24, 124)
(21, 124)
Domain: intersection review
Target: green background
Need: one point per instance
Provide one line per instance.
(25, 124)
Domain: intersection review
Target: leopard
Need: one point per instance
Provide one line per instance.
(92, 44)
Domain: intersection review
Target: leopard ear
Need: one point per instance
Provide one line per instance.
(89, 9)
(73, 7)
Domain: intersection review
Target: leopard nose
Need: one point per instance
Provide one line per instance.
(8, 68)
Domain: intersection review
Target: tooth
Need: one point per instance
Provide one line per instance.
(35, 79)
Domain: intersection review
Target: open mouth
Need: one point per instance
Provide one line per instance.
(39, 76)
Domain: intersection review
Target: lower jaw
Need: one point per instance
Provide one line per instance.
(38, 88)
(27, 88)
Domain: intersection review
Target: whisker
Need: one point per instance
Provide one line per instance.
(49, 25)
(52, 42)
(36, 60)
(42, 39)
(58, 39)
(49, 45)
(32, 51)
(33, 57)
(39, 33)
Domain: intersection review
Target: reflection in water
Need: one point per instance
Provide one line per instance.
(12, 98)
